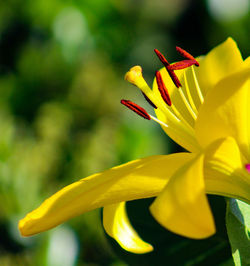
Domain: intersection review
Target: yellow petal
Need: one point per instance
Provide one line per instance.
(223, 60)
(182, 206)
(226, 111)
(224, 170)
(117, 225)
(137, 179)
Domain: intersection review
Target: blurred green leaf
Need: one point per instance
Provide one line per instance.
(238, 227)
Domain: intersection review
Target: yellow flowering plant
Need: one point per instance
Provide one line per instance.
(202, 104)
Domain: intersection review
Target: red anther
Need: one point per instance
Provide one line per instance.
(186, 55)
(173, 76)
(162, 88)
(148, 100)
(161, 57)
(169, 70)
(182, 64)
(136, 108)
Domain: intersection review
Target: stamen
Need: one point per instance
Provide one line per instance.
(186, 55)
(189, 96)
(176, 122)
(158, 121)
(187, 104)
(162, 88)
(168, 68)
(182, 64)
(247, 166)
(148, 100)
(161, 57)
(136, 108)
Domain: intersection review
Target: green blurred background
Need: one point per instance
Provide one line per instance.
(62, 65)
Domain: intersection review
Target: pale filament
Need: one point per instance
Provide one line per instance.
(190, 99)
(187, 104)
(198, 89)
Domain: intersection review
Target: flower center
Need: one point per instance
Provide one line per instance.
(180, 114)
(135, 77)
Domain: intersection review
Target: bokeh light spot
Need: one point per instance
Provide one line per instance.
(228, 10)
(70, 30)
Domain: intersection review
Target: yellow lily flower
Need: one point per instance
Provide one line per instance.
(208, 114)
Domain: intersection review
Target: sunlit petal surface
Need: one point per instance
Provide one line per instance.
(137, 179)
(226, 110)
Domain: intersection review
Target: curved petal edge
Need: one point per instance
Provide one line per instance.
(182, 207)
(117, 225)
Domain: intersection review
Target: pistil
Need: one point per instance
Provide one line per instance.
(134, 76)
